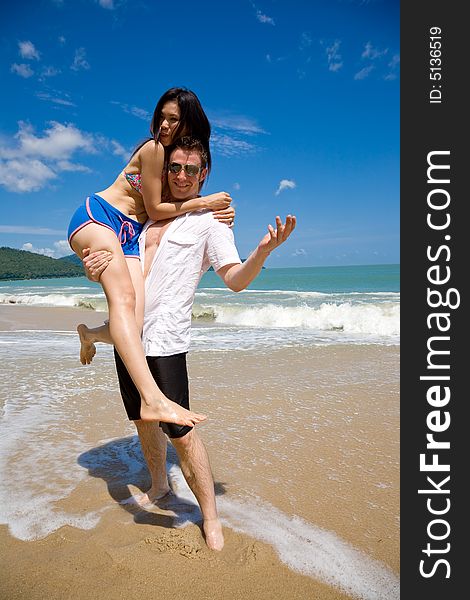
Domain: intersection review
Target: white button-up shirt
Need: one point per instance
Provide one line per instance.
(189, 246)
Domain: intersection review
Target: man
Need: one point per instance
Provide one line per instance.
(175, 253)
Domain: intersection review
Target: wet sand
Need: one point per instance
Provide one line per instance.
(300, 433)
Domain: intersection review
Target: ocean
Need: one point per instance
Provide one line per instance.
(299, 376)
(307, 306)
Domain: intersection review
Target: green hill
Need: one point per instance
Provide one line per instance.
(20, 264)
(73, 258)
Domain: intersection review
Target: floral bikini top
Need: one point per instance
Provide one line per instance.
(135, 180)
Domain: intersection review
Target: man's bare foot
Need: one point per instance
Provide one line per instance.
(169, 412)
(87, 348)
(213, 533)
(151, 497)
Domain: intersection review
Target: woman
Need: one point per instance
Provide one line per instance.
(113, 219)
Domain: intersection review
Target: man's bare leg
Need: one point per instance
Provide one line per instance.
(153, 443)
(196, 469)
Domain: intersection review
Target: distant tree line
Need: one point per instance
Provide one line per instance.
(20, 264)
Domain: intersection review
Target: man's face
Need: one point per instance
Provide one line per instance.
(182, 185)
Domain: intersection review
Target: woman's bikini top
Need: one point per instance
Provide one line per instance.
(135, 180)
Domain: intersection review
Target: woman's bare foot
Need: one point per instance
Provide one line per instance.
(87, 348)
(169, 412)
(213, 533)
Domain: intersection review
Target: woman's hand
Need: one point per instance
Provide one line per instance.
(95, 263)
(218, 201)
(226, 215)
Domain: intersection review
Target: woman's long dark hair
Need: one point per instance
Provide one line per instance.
(193, 120)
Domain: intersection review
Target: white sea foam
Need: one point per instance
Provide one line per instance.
(43, 400)
(378, 319)
(39, 300)
(97, 302)
(302, 546)
(300, 293)
(30, 460)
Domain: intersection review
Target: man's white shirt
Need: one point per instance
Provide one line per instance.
(189, 246)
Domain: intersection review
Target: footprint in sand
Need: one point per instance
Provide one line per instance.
(176, 542)
(249, 554)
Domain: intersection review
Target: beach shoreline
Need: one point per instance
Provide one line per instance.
(305, 439)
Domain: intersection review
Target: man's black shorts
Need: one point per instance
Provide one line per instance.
(171, 376)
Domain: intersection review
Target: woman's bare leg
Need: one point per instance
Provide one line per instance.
(119, 291)
(90, 335)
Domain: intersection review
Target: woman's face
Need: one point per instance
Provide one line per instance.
(169, 121)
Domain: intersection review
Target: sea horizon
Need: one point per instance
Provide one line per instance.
(283, 305)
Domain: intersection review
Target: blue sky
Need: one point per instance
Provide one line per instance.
(303, 98)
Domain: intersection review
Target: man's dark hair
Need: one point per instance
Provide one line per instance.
(188, 144)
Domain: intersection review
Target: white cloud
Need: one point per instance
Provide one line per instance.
(234, 122)
(285, 184)
(393, 66)
(79, 60)
(59, 141)
(227, 145)
(61, 248)
(28, 51)
(61, 40)
(22, 229)
(140, 113)
(119, 150)
(30, 162)
(66, 165)
(334, 57)
(372, 53)
(109, 4)
(22, 70)
(363, 73)
(305, 40)
(264, 18)
(229, 130)
(236, 186)
(44, 251)
(54, 99)
(49, 71)
(20, 176)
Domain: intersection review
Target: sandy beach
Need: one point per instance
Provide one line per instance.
(304, 447)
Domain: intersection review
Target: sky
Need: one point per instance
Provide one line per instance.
(303, 99)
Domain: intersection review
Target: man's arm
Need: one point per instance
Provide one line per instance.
(239, 276)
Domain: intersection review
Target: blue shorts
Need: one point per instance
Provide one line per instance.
(96, 210)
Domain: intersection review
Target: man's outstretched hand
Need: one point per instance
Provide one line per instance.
(276, 237)
(95, 263)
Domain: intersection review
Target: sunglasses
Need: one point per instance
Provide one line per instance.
(190, 170)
